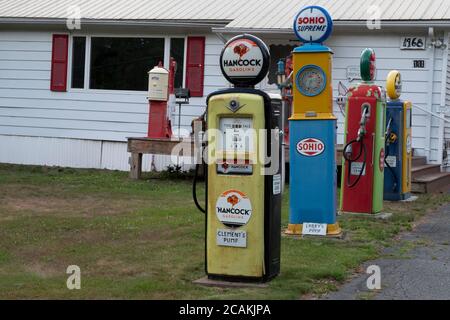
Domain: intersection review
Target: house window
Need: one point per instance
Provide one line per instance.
(277, 52)
(177, 53)
(123, 63)
(78, 61)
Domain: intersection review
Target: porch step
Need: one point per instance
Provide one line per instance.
(424, 169)
(431, 183)
(419, 161)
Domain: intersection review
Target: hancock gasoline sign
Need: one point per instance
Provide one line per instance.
(313, 24)
(245, 60)
(242, 58)
(233, 208)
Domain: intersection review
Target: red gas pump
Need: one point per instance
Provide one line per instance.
(363, 154)
(288, 68)
(160, 85)
(284, 82)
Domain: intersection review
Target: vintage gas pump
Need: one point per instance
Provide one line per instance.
(284, 83)
(397, 176)
(312, 129)
(243, 192)
(159, 125)
(364, 142)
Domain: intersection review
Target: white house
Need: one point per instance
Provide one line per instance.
(71, 96)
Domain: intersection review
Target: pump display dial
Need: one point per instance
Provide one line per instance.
(311, 80)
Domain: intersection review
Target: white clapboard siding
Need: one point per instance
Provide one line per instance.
(28, 107)
(50, 151)
(347, 50)
(446, 141)
(78, 153)
(447, 104)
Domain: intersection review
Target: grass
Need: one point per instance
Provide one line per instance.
(145, 239)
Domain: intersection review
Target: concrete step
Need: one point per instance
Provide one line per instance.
(425, 169)
(419, 161)
(431, 183)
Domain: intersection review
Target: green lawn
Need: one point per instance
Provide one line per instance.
(145, 239)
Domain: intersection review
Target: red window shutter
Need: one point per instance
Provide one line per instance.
(195, 65)
(58, 79)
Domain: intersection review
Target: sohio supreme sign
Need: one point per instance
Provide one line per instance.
(313, 24)
(245, 60)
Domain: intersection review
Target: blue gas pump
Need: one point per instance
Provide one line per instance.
(398, 150)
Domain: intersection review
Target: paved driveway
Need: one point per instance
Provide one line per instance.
(417, 268)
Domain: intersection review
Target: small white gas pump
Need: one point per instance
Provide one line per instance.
(159, 125)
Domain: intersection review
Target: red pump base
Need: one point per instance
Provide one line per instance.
(159, 126)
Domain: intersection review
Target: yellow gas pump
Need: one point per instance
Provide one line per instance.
(243, 196)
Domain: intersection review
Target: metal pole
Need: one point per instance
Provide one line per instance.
(179, 128)
(179, 119)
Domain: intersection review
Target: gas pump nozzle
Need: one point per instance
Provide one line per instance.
(390, 136)
(362, 123)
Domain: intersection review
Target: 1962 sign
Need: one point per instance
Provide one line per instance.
(412, 43)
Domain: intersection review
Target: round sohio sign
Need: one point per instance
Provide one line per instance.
(245, 60)
(310, 147)
(313, 24)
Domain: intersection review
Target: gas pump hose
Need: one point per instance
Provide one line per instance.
(389, 140)
(194, 189)
(394, 175)
(346, 154)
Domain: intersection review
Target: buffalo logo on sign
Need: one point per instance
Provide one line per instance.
(241, 50)
(310, 147)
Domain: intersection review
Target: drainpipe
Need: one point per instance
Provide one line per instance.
(442, 108)
(428, 116)
(221, 37)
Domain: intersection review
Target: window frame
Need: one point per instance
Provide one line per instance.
(87, 64)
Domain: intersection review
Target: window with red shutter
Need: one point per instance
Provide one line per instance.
(58, 79)
(195, 65)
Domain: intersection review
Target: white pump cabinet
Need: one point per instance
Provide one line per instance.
(158, 84)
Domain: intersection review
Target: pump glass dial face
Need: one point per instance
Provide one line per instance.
(311, 80)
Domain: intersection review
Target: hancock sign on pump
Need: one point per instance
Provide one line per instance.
(233, 208)
(244, 60)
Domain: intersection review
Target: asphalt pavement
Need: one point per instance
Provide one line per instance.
(417, 267)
